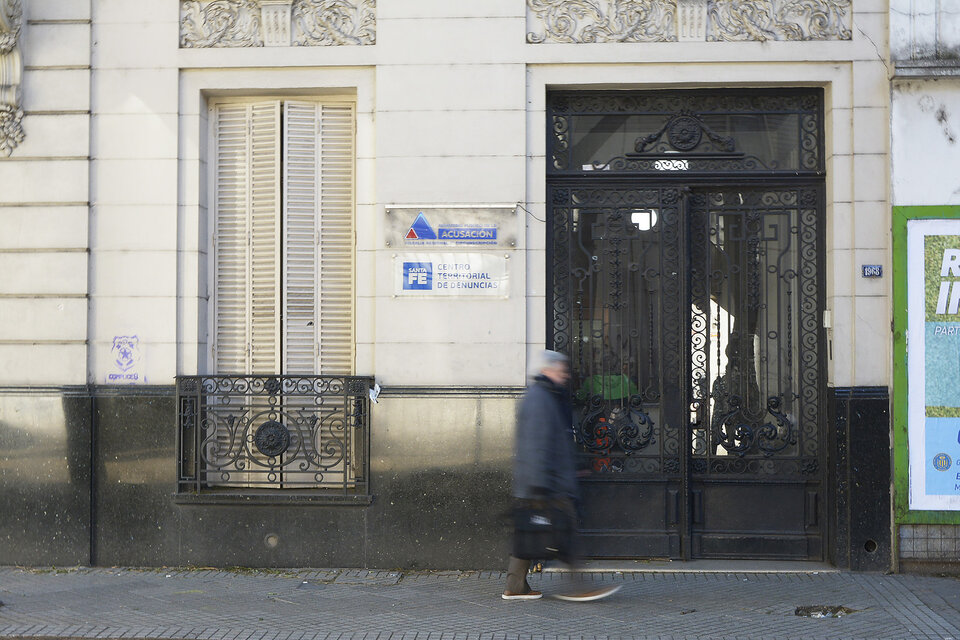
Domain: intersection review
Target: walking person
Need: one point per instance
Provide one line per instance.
(545, 472)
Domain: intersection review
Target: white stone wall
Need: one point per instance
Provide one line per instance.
(450, 111)
(926, 141)
(134, 185)
(44, 201)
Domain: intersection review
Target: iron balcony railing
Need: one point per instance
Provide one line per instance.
(274, 432)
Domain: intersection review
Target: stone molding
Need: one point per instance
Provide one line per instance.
(11, 76)
(276, 23)
(581, 21)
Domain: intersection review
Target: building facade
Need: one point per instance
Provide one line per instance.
(272, 271)
(924, 101)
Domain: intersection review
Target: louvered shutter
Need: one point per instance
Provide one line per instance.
(232, 149)
(265, 238)
(318, 238)
(246, 240)
(336, 238)
(300, 238)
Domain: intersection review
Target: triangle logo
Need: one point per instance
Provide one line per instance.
(421, 229)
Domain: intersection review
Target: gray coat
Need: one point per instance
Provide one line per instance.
(545, 457)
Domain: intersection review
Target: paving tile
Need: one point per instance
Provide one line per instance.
(383, 605)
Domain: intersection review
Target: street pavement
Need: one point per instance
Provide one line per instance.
(351, 604)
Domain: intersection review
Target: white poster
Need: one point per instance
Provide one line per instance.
(451, 274)
(933, 363)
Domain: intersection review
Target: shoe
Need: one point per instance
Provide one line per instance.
(529, 595)
(587, 596)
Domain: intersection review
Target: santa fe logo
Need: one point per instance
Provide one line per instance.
(418, 276)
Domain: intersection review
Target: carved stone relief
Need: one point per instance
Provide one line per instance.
(601, 21)
(258, 23)
(11, 76)
(779, 20)
(326, 22)
(686, 20)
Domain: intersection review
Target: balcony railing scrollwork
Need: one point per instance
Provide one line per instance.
(274, 432)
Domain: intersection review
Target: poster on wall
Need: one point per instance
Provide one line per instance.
(933, 363)
(451, 274)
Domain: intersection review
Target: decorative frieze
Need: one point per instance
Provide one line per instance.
(779, 20)
(11, 76)
(258, 23)
(579, 21)
(221, 23)
(331, 22)
(601, 21)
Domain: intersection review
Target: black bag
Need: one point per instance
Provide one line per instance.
(541, 532)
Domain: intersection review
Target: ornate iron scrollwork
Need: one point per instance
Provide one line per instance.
(272, 438)
(698, 134)
(274, 431)
(604, 428)
(684, 132)
(739, 435)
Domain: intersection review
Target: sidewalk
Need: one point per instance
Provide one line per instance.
(332, 604)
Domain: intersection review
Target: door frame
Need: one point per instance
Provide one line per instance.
(641, 176)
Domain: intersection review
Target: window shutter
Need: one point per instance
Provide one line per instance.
(265, 238)
(246, 238)
(318, 238)
(336, 238)
(300, 238)
(232, 148)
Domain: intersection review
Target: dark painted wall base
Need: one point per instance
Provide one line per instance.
(89, 475)
(91, 480)
(860, 476)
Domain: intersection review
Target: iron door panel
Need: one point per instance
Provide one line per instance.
(616, 310)
(630, 519)
(756, 360)
(736, 520)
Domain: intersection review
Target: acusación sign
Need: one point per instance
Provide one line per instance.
(468, 227)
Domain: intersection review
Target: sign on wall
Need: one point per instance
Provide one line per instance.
(488, 227)
(451, 274)
(933, 363)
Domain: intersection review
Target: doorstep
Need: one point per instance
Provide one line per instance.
(697, 566)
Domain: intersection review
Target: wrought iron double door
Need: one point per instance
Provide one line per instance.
(691, 313)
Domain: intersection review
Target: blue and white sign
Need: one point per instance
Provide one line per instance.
(418, 276)
(486, 227)
(452, 274)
